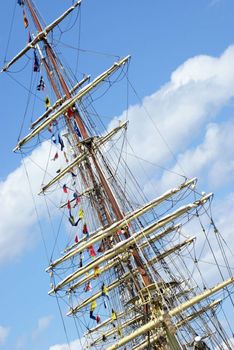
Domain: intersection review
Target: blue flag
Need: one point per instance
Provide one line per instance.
(76, 129)
(60, 140)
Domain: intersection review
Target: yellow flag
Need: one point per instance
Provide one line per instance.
(93, 305)
(47, 102)
(81, 213)
(113, 315)
(96, 271)
(104, 290)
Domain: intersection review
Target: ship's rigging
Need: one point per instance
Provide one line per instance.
(125, 275)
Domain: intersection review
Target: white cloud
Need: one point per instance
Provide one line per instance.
(42, 324)
(197, 90)
(17, 212)
(4, 332)
(77, 344)
(212, 159)
(17, 215)
(181, 109)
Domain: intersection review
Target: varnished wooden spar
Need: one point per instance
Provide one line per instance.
(105, 323)
(89, 277)
(97, 295)
(178, 246)
(159, 236)
(70, 102)
(132, 321)
(142, 246)
(177, 310)
(154, 339)
(112, 262)
(59, 102)
(41, 35)
(96, 144)
(100, 234)
(129, 275)
(198, 313)
(123, 245)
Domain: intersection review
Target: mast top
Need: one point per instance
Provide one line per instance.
(42, 34)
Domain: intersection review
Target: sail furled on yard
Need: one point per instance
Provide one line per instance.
(127, 270)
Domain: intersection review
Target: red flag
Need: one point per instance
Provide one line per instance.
(88, 287)
(68, 205)
(65, 190)
(25, 20)
(85, 229)
(55, 156)
(76, 239)
(121, 231)
(92, 251)
(50, 127)
(69, 113)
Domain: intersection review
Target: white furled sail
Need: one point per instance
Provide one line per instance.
(130, 269)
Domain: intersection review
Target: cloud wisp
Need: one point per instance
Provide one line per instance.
(42, 325)
(77, 344)
(4, 332)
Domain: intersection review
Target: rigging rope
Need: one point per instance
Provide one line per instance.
(10, 33)
(158, 130)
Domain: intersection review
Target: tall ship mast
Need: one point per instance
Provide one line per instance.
(128, 270)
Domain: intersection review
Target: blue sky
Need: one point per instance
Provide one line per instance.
(165, 39)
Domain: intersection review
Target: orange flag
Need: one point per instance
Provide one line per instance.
(25, 20)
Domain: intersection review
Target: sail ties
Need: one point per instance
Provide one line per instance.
(96, 143)
(100, 234)
(41, 36)
(71, 101)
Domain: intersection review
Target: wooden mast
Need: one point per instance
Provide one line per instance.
(108, 191)
(52, 57)
(114, 204)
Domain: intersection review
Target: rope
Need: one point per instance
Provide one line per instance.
(35, 208)
(10, 33)
(158, 130)
(99, 53)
